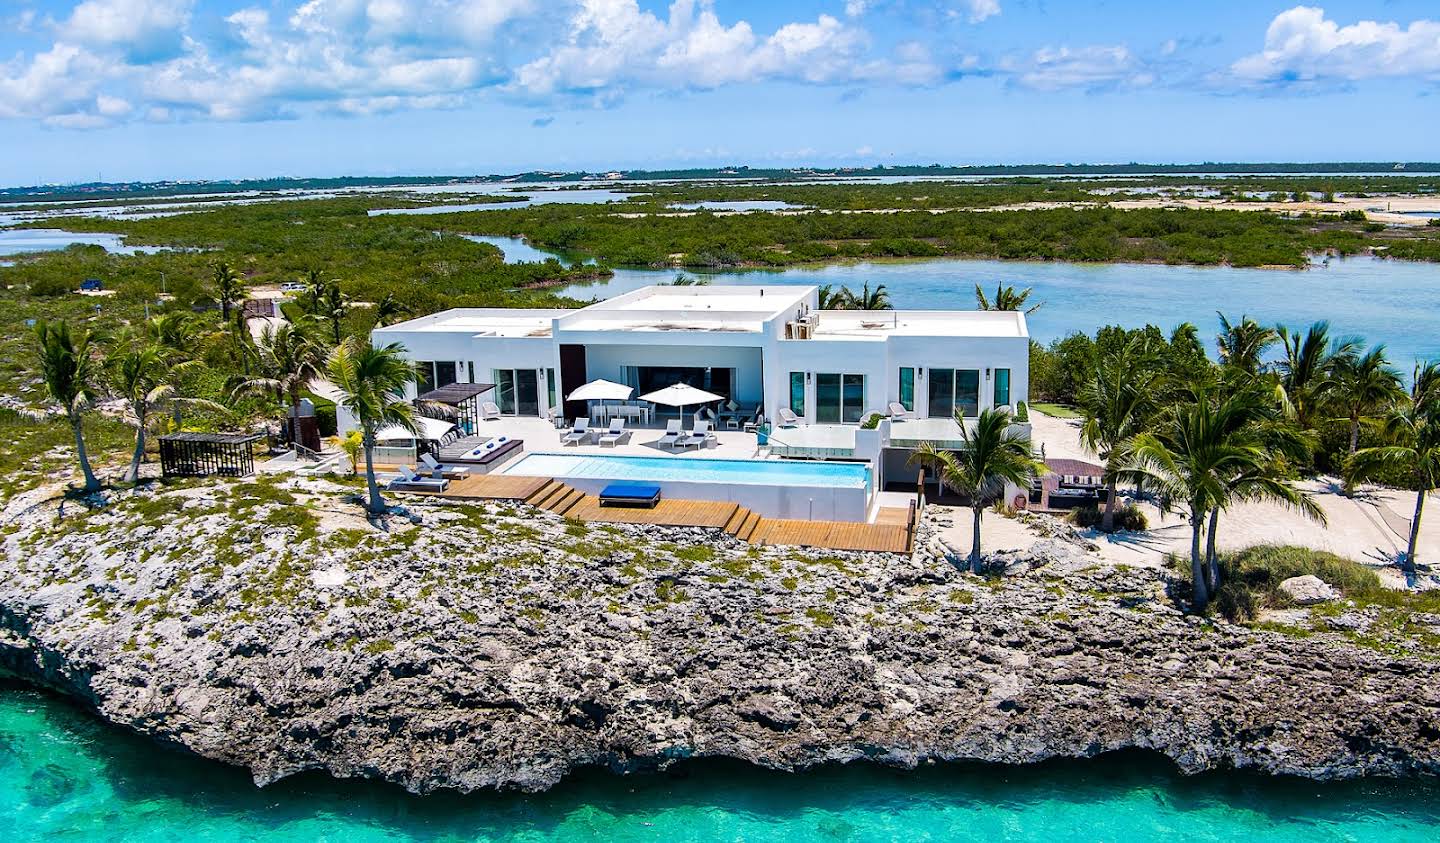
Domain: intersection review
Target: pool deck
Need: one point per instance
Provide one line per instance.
(889, 533)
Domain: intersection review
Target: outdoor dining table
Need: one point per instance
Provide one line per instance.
(604, 412)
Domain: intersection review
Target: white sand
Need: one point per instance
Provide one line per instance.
(1367, 528)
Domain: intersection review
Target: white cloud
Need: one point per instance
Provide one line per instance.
(143, 29)
(1054, 68)
(977, 10)
(1303, 45)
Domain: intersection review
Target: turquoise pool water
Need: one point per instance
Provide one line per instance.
(64, 776)
(840, 475)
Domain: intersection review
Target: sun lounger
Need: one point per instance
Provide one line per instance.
(673, 434)
(630, 494)
(578, 434)
(787, 418)
(409, 481)
(484, 458)
(489, 411)
(439, 469)
(699, 436)
(616, 434)
(898, 411)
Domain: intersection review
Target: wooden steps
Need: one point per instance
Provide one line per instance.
(890, 533)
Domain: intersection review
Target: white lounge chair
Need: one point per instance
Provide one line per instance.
(409, 481)
(673, 434)
(489, 411)
(700, 436)
(578, 434)
(787, 418)
(439, 469)
(898, 411)
(616, 434)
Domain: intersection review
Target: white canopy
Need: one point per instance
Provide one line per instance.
(601, 390)
(429, 429)
(681, 395)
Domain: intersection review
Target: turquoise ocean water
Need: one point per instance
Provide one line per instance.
(65, 776)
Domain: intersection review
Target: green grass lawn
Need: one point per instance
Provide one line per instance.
(1059, 411)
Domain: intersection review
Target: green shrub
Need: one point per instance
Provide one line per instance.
(1022, 412)
(872, 422)
(51, 287)
(1127, 517)
(1250, 579)
(1354, 216)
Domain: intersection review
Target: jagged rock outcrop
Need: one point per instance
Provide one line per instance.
(489, 645)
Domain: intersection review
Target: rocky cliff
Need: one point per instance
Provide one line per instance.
(484, 645)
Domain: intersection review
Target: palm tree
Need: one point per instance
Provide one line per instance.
(139, 372)
(372, 385)
(1305, 373)
(332, 306)
(229, 288)
(991, 456)
(174, 330)
(1208, 453)
(1415, 431)
(835, 299)
(1006, 299)
(71, 374)
(1117, 401)
(288, 359)
(1243, 345)
(877, 299)
(1365, 384)
(388, 309)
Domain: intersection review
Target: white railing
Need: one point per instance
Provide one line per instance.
(394, 454)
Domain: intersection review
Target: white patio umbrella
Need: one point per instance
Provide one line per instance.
(601, 390)
(681, 395)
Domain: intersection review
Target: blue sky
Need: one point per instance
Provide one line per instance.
(151, 89)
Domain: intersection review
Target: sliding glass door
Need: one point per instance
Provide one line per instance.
(518, 391)
(839, 398)
(954, 390)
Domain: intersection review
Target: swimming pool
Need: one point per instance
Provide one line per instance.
(779, 489)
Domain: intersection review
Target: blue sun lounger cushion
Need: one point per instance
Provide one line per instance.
(643, 494)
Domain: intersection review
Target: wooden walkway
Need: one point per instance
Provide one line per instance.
(891, 532)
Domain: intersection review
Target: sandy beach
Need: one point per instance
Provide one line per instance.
(1368, 528)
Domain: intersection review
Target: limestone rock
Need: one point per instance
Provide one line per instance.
(1308, 590)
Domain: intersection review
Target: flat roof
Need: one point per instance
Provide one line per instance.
(880, 324)
(662, 308)
(482, 322)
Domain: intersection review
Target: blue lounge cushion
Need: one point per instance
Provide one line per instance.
(631, 491)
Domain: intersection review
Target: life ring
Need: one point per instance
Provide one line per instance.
(1020, 501)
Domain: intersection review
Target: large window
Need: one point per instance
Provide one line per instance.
(518, 391)
(954, 390)
(839, 398)
(432, 374)
(797, 393)
(907, 388)
(550, 386)
(1002, 387)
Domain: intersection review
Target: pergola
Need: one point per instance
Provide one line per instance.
(461, 399)
(204, 454)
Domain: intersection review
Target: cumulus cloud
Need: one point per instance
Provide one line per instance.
(1093, 67)
(1303, 45)
(145, 30)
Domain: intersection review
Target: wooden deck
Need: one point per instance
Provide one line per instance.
(890, 533)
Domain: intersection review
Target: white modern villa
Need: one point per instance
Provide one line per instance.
(767, 350)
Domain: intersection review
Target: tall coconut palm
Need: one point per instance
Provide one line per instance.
(288, 360)
(71, 371)
(175, 331)
(1364, 385)
(141, 373)
(333, 306)
(990, 456)
(372, 384)
(1414, 430)
(832, 298)
(229, 288)
(388, 309)
(1307, 369)
(1243, 344)
(1196, 456)
(1117, 400)
(868, 299)
(1006, 298)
